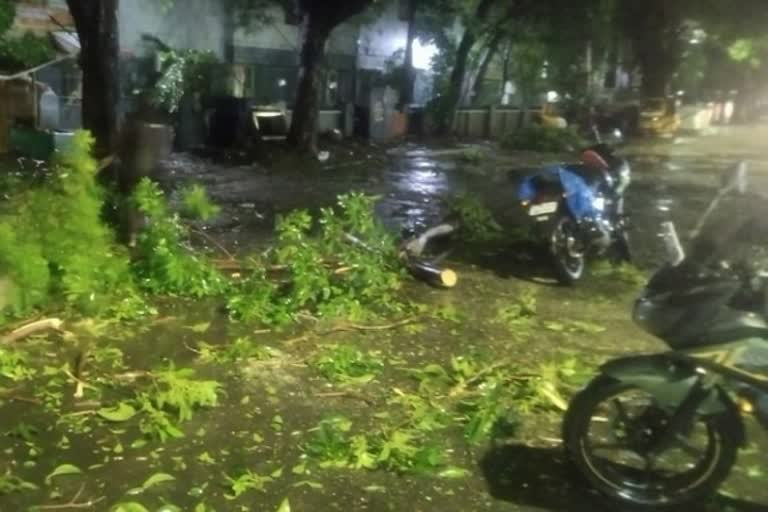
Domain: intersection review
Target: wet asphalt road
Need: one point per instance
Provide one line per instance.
(673, 179)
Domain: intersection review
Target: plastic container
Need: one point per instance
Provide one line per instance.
(50, 114)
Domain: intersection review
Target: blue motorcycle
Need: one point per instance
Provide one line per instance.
(578, 210)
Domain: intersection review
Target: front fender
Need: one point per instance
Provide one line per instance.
(670, 381)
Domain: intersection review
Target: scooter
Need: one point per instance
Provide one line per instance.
(578, 209)
(664, 429)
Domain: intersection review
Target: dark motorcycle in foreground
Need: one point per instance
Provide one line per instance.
(578, 210)
(664, 429)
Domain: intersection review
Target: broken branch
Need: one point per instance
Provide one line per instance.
(47, 324)
(209, 238)
(346, 394)
(346, 327)
(73, 503)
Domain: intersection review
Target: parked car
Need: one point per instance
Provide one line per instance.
(659, 116)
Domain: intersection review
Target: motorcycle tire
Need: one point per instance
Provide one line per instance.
(576, 428)
(568, 268)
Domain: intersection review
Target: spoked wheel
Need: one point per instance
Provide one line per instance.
(567, 253)
(610, 430)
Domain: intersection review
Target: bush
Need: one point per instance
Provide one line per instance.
(546, 139)
(166, 264)
(54, 245)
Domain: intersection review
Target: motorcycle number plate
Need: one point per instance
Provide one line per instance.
(543, 209)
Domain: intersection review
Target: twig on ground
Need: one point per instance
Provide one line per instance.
(192, 349)
(73, 503)
(346, 394)
(461, 387)
(347, 327)
(80, 384)
(215, 242)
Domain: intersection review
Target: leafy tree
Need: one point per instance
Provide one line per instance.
(660, 32)
(318, 19)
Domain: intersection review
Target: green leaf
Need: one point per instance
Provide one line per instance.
(200, 328)
(64, 469)
(130, 506)
(156, 479)
(285, 506)
(118, 414)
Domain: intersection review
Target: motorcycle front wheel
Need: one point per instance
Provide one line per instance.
(610, 429)
(568, 259)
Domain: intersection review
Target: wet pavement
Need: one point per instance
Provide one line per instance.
(672, 178)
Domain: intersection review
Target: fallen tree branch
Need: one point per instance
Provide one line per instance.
(346, 394)
(132, 375)
(347, 327)
(215, 242)
(385, 327)
(73, 503)
(47, 324)
(416, 245)
(461, 387)
(10, 394)
(80, 384)
(21, 323)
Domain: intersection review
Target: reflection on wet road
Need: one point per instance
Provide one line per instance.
(672, 179)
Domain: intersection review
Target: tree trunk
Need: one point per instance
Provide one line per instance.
(506, 69)
(493, 47)
(657, 77)
(588, 58)
(304, 123)
(459, 71)
(97, 28)
(655, 28)
(319, 18)
(406, 91)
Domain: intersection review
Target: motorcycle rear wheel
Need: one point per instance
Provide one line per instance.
(568, 263)
(646, 487)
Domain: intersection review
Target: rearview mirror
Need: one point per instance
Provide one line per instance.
(735, 178)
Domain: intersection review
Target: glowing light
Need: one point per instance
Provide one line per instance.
(423, 54)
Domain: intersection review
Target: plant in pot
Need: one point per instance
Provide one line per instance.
(178, 82)
(178, 77)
